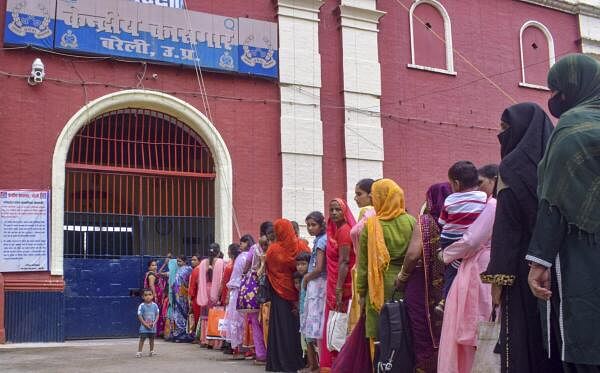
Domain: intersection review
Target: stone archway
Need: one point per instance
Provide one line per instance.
(142, 99)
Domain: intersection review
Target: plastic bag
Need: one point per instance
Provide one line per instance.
(337, 328)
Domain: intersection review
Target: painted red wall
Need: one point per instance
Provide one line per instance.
(332, 102)
(245, 110)
(535, 55)
(438, 119)
(429, 37)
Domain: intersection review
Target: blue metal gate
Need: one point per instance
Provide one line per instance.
(139, 184)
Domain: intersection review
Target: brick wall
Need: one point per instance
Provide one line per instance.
(419, 151)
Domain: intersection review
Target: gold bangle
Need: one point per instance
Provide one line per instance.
(403, 276)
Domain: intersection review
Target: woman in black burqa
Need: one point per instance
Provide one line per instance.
(525, 130)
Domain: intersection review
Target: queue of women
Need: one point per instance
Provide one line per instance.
(522, 243)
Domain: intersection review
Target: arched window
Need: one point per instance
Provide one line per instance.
(430, 37)
(537, 54)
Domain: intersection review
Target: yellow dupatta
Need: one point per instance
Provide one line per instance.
(388, 201)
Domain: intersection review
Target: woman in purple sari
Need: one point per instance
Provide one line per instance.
(422, 277)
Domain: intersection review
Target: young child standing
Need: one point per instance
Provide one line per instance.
(461, 209)
(315, 285)
(301, 269)
(148, 315)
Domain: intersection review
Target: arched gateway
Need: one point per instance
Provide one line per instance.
(144, 174)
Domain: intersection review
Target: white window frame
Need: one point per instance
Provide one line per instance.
(447, 35)
(551, 57)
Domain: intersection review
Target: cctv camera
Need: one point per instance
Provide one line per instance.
(37, 71)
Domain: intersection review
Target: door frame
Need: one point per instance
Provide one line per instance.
(152, 100)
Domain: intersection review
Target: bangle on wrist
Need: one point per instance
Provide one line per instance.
(403, 276)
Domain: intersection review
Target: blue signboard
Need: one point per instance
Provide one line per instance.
(134, 30)
(30, 23)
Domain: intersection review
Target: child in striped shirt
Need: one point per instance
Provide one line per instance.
(461, 209)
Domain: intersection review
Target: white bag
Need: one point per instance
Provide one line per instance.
(486, 361)
(337, 327)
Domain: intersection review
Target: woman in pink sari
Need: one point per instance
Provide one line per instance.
(156, 282)
(340, 258)
(208, 290)
(362, 197)
(469, 300)
(234, 320)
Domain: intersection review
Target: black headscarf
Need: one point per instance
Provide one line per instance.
(522, 146)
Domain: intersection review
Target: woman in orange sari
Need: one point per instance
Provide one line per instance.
(284, 352)
(340, 258)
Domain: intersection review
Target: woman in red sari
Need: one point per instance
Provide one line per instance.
(340, 258)
(284, 352)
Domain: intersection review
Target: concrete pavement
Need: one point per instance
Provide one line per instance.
(117, 355)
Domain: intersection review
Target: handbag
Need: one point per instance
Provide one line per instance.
(216, 321)
(394, 353)
(486, 360)
(355, 356)
(247, 297)
(337, 328)
(263, 293)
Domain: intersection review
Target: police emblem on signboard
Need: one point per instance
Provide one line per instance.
(23, 24)
(68, 40)
(258, 56)
(226, 61)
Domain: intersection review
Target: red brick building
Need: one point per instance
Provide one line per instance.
(393, 88)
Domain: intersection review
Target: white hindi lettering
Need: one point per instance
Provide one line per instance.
(227, 41)
(162, 32)
(110, 24)
(112, 43)
(187, 54)
(187, 36)
(167, 51)
(139, 46)
(165, 3)
(74, 19)
(130, 26)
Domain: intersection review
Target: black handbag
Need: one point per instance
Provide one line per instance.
(395, 350)
(263, 294)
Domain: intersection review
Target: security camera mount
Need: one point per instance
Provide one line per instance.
(37, 73)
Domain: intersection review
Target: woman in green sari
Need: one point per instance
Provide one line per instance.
(565, 248)
(382, 249)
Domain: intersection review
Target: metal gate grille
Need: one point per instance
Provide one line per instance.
(138, 182)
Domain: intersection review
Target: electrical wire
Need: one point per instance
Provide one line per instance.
(202, 86)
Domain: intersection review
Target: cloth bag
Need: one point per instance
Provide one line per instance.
(488, 332)
(337, 328)
(355, 356)
(216, 321)
(247, 299)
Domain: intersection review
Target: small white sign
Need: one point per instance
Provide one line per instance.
(24, 230)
